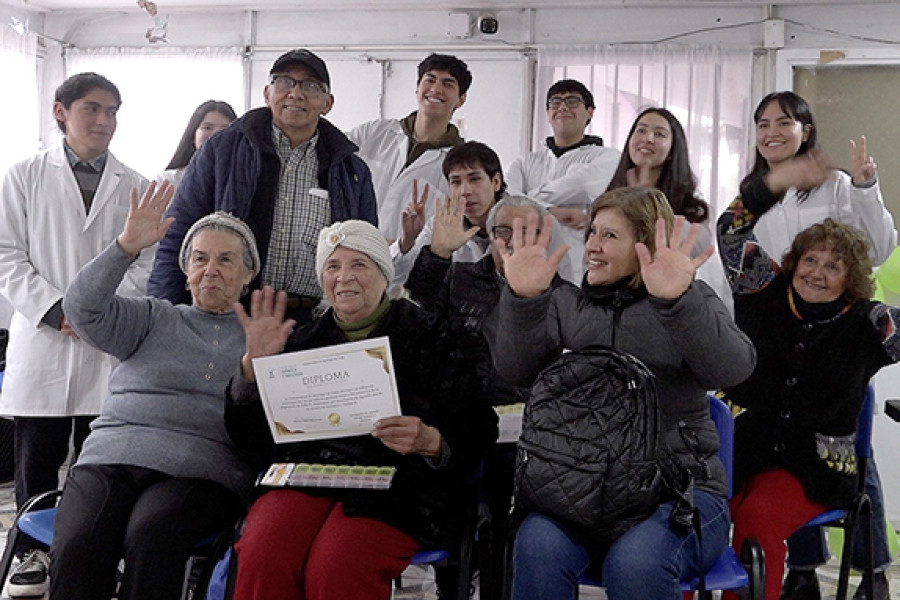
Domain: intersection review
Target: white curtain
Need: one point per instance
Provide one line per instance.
(18, 68)
(707, 88)
(160, 89)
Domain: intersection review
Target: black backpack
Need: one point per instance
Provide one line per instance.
(588, 450)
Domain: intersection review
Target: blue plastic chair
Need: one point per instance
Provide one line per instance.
(862, 504)
(37, 524)
(728, 572)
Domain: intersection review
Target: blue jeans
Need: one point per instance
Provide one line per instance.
(808, 547)
(648, 561)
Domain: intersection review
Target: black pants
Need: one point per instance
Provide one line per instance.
(152, 520)
(41, 447)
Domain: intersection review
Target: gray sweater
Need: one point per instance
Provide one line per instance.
(166, 403)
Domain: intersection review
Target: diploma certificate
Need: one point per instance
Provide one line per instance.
(330, 392)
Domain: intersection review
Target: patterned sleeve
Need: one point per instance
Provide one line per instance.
(747, 266)
(886, 320)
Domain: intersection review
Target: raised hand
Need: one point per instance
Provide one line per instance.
(412, 219)
(864, 167)
(450, 233)
(527, 267)
(265, 328)
(669, 272)
(803, 171)
(408, 435)
(144, 225)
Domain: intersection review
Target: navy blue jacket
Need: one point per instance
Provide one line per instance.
(237, 170)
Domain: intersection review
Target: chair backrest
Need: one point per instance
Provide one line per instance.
(864, 424)
(721, 416)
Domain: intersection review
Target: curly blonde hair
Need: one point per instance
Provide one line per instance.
(850, 244)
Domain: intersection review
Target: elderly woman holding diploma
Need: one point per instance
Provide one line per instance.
(313, 543)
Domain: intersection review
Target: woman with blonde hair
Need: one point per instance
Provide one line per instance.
(639, 296)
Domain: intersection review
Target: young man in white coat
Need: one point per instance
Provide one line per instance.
(574, 169)
(401, 152)
(58, 210)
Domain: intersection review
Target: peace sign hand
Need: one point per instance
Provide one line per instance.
(669, 272)
(864, 167)
(412, 219)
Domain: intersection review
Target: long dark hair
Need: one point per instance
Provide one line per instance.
(676, 180)
(186, 148)
(796, 108)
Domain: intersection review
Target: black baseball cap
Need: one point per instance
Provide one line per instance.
(304, 58)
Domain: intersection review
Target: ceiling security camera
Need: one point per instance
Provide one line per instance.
(488, 24)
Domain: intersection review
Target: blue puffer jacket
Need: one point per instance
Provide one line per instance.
(237, 170)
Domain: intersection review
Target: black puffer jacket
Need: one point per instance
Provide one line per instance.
(691, 345)
(433, 384)
(466, 295)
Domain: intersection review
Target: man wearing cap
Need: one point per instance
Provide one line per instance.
(403, 151)
(285, 171)
(573, 170)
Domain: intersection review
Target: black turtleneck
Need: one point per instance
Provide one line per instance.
(818, 311)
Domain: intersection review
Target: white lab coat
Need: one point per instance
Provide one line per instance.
(574, 179)
(838, 198)
(384, 146)
(45, 238)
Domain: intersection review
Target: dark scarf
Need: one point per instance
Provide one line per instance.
(816, 312)
(588, 140)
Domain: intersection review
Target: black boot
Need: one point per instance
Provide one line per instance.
(879, 586)
(801, 585)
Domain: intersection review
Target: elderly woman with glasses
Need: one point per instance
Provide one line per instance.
(158, 472)
(639, 296)
(313, 543)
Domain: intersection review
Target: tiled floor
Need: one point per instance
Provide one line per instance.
(418, 583)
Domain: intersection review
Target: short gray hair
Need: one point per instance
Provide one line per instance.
(222, 221)
(516, 201)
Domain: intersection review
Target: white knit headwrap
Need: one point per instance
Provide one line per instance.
(220, 220)
(355, 235)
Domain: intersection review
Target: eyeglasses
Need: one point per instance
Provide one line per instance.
(569, 101)
(504, 232)
(309, 87)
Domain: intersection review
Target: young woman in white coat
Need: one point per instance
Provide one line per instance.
(799, 186)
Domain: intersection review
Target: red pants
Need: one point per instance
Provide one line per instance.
(300, 547)
(770, 508)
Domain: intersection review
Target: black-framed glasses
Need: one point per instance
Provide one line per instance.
(310, 87)
(504, 232)
(569, 101)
